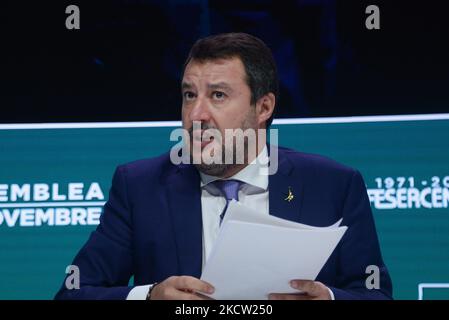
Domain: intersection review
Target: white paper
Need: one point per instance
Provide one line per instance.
(239, 212)
(256, 254)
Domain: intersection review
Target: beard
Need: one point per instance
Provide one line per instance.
(228, 163)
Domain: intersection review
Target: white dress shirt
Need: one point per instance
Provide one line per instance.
(253, 193)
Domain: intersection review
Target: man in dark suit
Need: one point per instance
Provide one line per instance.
(162, 218)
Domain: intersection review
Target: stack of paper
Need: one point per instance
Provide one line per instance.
(256, 254)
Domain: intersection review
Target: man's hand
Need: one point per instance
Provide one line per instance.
(311, 290)
(181, 288)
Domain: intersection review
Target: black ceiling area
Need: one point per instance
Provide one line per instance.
(125, 62)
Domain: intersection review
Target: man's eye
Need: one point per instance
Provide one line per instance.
(218, 95)
(188, 95)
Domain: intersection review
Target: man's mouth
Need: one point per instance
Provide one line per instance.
(204, 143)
(198, 139)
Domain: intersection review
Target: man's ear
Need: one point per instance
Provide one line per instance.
(265, 108)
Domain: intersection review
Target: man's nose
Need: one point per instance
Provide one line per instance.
(200, 111)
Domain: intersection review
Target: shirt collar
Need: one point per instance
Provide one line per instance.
(250, 175)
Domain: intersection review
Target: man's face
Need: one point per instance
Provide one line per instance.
(216, 94)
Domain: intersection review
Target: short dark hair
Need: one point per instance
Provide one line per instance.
(260, 67)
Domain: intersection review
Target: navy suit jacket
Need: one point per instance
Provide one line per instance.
(151, 226)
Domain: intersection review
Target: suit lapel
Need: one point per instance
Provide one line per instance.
(281, 185)
(184, 196)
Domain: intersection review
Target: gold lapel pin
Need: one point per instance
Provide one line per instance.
(290, 195)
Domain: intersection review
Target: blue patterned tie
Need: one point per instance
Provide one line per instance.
(230, 190)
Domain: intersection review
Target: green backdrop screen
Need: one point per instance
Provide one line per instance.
(55, 178)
